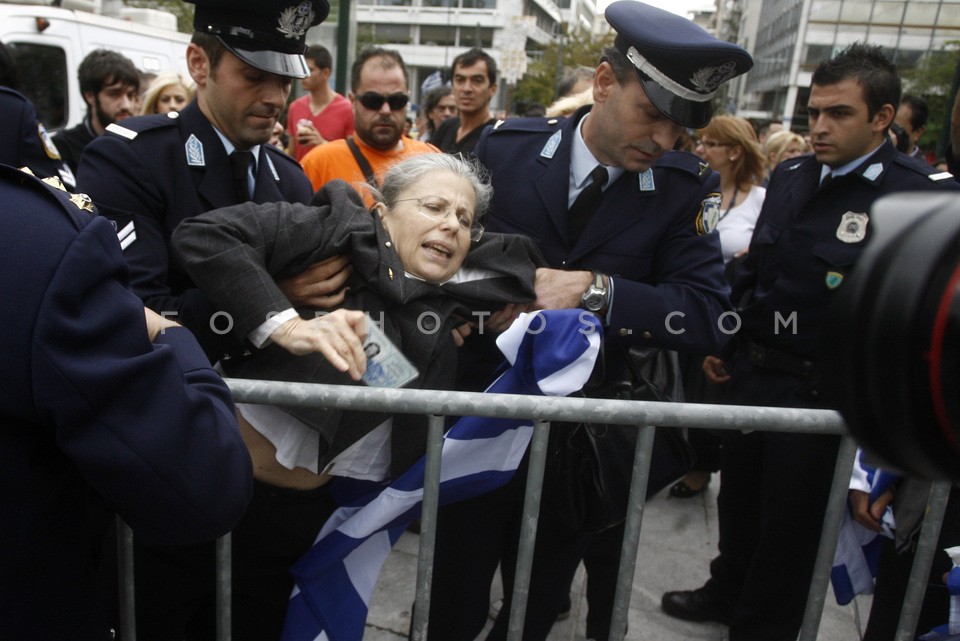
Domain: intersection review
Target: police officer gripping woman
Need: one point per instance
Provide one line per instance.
(625, 225)
(151, 172)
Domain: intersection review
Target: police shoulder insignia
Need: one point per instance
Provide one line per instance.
(834, 279)
(55, 182)
(48, 146)
(704, 169)
(173, 115)
(853, 227)
(709, 214)
(82, 201)
(497, 124)
(114, 128)
(943, 175)
(550, 148)
(194, 150)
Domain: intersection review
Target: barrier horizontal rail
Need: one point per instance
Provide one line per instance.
(543, 408)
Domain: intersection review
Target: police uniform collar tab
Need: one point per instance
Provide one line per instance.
(269, 35)
(679, 64)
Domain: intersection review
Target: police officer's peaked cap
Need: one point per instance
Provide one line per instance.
(680, 65)
(266, 34)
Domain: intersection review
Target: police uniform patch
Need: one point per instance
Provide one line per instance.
(704, 169)
(853, 227)
(48, 146)
(127, 235)
(834, 279)
(709, 214)
(114, 128)
(194, 149)
(943, 175)
(645, 179)
(873, 171)
(550, 148)
(53, 181)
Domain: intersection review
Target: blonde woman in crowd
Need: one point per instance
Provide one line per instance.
(730, 146)
(783, 145)
(168, 92)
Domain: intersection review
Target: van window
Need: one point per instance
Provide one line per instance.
(43, 79)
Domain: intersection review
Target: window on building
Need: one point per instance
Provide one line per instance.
(949, 15)
(825, 10)
(439, 3)
(479, 4)
(816, 54)
(383, 34)
(438, 35)
(476, 37)
(920, 13)
(46, 83)
(889, 13)
(855, 12)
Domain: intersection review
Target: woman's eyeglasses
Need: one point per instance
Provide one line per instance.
(374, 101)
(710, 144)
(437, 209)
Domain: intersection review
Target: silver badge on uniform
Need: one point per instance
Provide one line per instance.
(853, 227)
(194, 149)
(551, 147)
(873, 171)
(646, 180)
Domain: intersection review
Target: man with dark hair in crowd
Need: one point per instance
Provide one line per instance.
(474, 86)
(812, 228)
(322, 115)
(912, 116)
(110, 86)
(380, 92)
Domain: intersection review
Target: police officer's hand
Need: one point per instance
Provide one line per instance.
(460, 333)
(502, 319)
(320, 285)
(157, 323)
(713, 368)
(338, 335)
(867, 514)
(559, 289)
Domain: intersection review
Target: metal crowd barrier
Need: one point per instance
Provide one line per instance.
(644, 414)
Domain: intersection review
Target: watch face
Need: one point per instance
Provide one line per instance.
(593, 301)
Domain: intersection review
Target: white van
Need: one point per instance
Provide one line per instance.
(48, 44)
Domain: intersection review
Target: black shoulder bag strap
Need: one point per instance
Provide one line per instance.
(362, 161)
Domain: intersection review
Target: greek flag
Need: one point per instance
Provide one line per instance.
(551, 353)
(858, 549)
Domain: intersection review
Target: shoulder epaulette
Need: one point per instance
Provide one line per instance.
(537, 125)
(133, 127)
(921, 168)
(685, 162)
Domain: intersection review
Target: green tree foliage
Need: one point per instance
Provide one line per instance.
(933, 81)
(539, 84)
(179, 8)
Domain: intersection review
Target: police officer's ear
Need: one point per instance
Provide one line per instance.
(604, 80)
(883, 117)
(198, 64)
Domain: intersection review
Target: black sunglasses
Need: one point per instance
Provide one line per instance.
(374, 101)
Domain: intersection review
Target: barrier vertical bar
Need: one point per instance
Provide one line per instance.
(528, 529)
(922, 561)
(428, 526)
(643, 454)
(128, 616)
(224, 552)
(829, 535)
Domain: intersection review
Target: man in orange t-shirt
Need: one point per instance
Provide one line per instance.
(379, 98)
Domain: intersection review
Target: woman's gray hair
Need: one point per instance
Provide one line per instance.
(405, 173)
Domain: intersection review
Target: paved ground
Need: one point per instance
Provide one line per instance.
(678, 539)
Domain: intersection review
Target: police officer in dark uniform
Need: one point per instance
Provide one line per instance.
(625, 225)
(813, 226)
(105, 408)
(149, 173)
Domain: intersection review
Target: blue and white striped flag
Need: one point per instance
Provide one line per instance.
(550, 353)
(858, 548)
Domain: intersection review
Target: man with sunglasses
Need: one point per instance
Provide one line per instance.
(380, 96)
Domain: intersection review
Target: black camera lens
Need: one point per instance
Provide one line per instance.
(892, 352)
